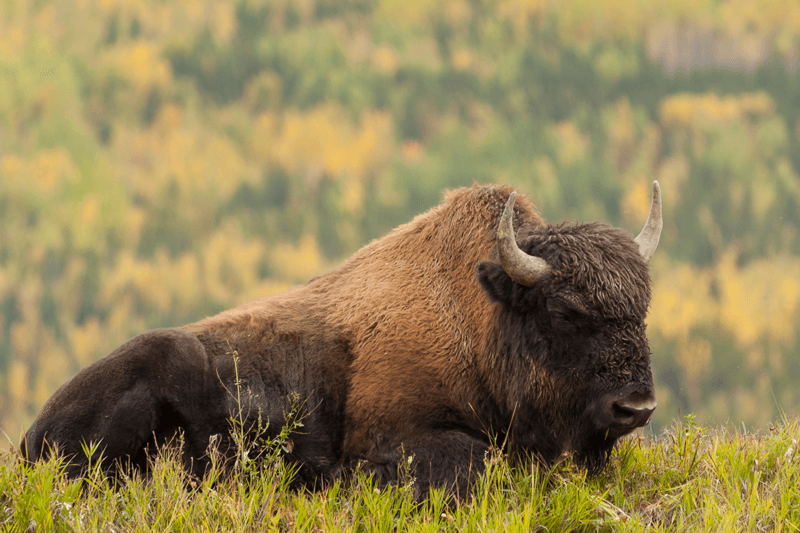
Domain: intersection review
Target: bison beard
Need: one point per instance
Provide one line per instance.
(448, 334)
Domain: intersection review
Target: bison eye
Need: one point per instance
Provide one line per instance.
(565, 318)
(564, 323)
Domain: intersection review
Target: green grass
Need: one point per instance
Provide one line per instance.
(687, 479)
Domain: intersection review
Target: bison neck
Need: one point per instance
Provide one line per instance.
(420, 328)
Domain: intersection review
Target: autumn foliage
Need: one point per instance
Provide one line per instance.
(162, 161)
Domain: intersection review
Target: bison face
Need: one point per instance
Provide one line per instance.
(595, 372)
(577, 328)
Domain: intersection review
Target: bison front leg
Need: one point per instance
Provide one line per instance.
(444, 459)
(135, 398)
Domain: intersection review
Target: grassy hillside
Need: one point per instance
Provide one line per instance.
(688, 478)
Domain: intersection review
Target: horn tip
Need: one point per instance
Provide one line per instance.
(657, 196)
(509, 209)
(505, 227)
(651, 233)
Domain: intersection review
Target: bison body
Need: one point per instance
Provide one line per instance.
(428, 343)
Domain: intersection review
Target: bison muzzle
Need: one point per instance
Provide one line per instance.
(475, 323)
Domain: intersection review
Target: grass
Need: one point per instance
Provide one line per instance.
(688, 478)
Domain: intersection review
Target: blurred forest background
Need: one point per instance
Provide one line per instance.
(161, 161)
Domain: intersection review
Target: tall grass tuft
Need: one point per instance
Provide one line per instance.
(689, 478)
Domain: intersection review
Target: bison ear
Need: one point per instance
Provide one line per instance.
(495, 281)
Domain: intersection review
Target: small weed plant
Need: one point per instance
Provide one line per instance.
(689, 478)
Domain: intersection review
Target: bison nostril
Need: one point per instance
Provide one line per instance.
(621, 413)
(633, 414)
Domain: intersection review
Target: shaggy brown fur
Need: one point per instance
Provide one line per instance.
(419, 345)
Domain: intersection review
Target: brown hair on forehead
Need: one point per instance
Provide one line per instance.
(597, 264)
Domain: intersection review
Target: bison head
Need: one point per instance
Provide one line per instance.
(573, 301)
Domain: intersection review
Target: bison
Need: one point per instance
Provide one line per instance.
(445, 336)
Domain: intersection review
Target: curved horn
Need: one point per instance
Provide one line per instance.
(523, 268)
(651, 233)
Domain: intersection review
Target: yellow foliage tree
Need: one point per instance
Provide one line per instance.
(760, 301)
